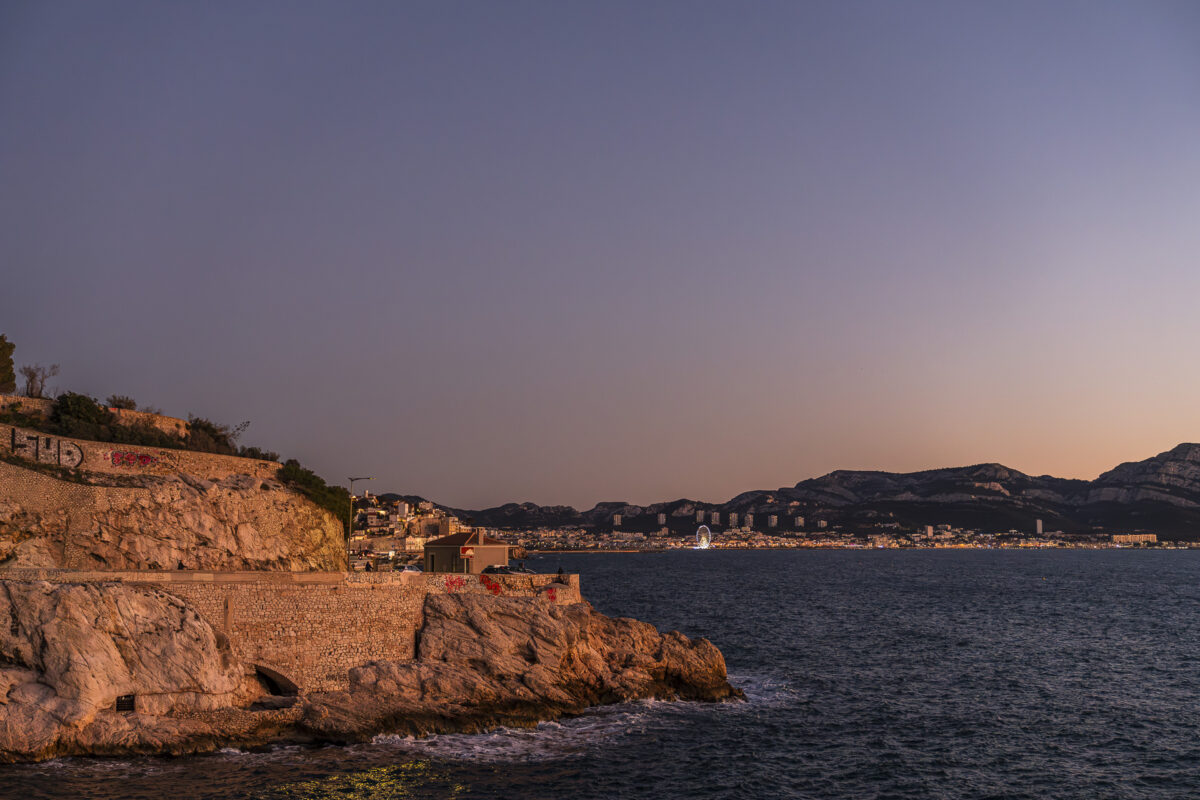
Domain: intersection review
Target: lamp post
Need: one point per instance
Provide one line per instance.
(350, 528)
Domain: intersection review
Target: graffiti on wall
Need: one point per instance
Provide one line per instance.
(128, 458)
(46, 449)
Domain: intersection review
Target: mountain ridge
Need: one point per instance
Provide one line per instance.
(1159, 494)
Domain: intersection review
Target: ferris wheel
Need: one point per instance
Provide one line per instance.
(703, 537)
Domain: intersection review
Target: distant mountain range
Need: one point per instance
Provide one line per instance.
(1160, 495)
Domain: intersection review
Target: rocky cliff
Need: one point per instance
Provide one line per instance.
(487, 661)
(236, 522)
(68, 651)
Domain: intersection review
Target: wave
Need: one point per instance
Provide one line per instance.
(578, 736)
(549, 741)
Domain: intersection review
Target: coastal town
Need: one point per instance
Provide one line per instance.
(390, 532)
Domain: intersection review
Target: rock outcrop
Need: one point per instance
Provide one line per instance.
(239, 522)
(68, 651)
(486, 661)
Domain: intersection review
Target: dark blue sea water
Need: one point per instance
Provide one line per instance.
(880, 674)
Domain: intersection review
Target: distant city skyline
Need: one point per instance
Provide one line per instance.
(615, 251)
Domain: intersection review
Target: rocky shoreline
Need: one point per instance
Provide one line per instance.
(68, 651)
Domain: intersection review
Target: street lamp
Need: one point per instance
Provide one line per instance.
(350, 527)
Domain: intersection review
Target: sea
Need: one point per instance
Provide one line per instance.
(868, 674)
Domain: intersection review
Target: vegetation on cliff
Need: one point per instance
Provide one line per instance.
(79, 416)
(333, 499)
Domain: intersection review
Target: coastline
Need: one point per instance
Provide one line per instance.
(145, 674)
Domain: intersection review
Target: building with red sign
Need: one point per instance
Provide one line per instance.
(466, 551)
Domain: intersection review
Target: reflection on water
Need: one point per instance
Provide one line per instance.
(413, 779)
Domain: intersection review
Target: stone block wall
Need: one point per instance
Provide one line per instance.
(309, 629)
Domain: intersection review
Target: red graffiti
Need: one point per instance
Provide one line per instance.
(455, 582)
(492, 586)
(131, 459)
(552, 594)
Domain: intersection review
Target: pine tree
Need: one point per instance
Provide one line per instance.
(8, 378)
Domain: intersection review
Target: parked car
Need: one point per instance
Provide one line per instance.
(411, 568)
(497, 569)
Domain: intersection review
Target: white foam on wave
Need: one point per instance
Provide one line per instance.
(571, 738)
(764, 690)
(548, 741)
(77, 764)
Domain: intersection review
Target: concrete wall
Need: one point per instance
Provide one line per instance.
(119, 459)
(311, 628)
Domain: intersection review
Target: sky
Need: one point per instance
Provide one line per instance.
(570, 252)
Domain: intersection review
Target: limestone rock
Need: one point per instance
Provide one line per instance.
(484, 661)
(67, 651)
(237, 523)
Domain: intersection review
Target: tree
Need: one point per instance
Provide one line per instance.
(8, 378)
(122, 401)
(35, 376)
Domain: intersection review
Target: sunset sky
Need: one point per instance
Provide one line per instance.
(567, 252)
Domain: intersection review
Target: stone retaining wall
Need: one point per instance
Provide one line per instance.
(121, 459)
(307, 629)
(41, 406)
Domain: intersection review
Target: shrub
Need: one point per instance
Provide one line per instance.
(121, 401)
(333, 499)
(81, 417)
(254, 452)
(207, 436)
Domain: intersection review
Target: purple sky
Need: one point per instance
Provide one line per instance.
(569, 252)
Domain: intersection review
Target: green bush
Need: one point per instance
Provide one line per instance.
(255, 452)
(333, 499)
(122, 401)
(207, 436)
(81, 417)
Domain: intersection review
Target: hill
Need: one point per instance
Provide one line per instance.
(1159, 494)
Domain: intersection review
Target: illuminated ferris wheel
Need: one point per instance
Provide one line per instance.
(703, 537)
